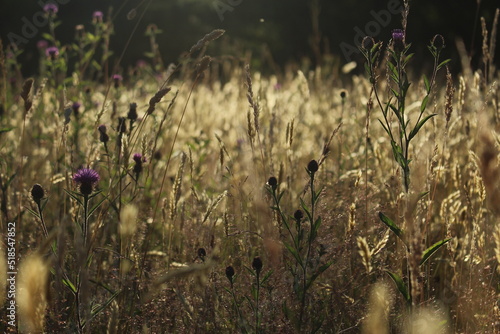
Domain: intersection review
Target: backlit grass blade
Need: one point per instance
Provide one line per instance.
(431, 250)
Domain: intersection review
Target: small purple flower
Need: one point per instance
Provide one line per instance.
(398, 40)
(42, 44)
(76, 108)
(141, 63)
(97, 15)
(52, 52)
(117, 78)
(50, 8)
(138, 158)
(87, 178)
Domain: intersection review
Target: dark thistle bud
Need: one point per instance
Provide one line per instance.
(132, 112)
(367, 43)
(273, 182)
(343, 94)
(398, 40)
(103, 136)
(257, 265)
(139, 159)
(122, 127)
(298, 215)
(37, 193)
(313, 166)
(230, 274)
(202, 253)
(86, 178)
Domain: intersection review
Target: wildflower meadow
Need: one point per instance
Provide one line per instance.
(208, 196)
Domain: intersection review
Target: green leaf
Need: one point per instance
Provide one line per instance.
(400, 285)
(70, 285)
(394, 228)
(422, 195)
(385, 128)
(417, 127)
(408, 58)
(398, 154)
(424, 103)
(266, 277)
(427, 84)
(295, 254)
(33, 213)
(306, 209)
(4, 130)
(444, 62)
(431, 250)
(74, 196)
(315, 229)
(318, 272)
(91, 211)
(393, 69)
(99, 309)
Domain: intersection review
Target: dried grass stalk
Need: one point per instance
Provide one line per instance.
(156, 99)
(213, 35)
(365, 252)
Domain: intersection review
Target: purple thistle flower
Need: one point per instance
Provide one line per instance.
(52, 52)
(138, 158)
(87, 178)
(398, 40)
(50, 8)
(117, 78)
(97, 15)
(42, 44)
(76, 108)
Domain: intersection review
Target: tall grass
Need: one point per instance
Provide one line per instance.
(252, 205)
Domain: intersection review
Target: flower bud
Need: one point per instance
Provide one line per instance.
(257, 265)
(313, 166)
(37, 193)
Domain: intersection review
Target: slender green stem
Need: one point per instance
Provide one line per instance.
(85, 219)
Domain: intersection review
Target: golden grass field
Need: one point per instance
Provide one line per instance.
(208, 148)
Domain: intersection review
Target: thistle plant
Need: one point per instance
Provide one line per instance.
(300, 243)
(231, 276)
(399, 58)
(86, 179)
(255, 289)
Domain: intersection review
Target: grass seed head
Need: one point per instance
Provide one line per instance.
(32, 298)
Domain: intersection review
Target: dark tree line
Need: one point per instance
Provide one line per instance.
(288, 29)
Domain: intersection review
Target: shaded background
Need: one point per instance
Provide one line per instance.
(279, 29)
